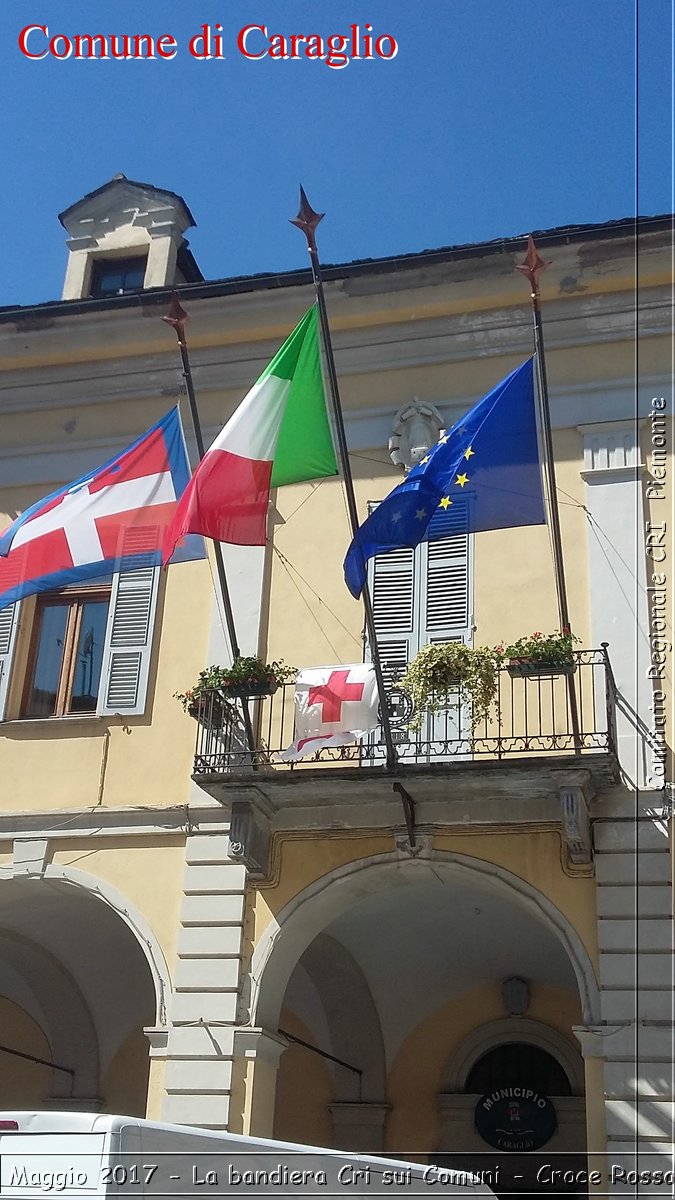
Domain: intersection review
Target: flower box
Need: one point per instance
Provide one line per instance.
(529, 668)
(249, 690)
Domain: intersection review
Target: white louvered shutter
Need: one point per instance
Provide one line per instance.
(445, 600)
(393, 585)
(128, 642)
(9, 623)
(393, 594)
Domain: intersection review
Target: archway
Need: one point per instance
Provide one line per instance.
(77, 990)
(423, 937)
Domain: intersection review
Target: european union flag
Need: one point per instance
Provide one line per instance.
(490, 457)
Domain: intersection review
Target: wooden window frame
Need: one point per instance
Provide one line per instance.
(75, 599)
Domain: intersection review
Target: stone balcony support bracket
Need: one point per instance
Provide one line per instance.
(576, 793)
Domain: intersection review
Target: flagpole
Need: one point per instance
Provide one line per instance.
(532, 267)
(307, 221)
(176, 318)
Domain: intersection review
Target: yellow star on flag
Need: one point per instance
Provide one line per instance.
(468, 453)
(445, 502)
(420, 514)
(443, 440)
(462, 479)
(424, 460)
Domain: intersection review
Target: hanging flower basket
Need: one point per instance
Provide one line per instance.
(443, 670)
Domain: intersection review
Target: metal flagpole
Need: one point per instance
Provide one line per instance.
(176, 318)
(307, 220)
(531, 268)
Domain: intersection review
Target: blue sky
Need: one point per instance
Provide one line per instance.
(496, 117)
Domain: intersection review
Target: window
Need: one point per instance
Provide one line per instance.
(89, 649)
(66, 655)
(518, 1064)
(117, 276)
(423, 595)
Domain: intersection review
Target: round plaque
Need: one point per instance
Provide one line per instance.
(515, 1118)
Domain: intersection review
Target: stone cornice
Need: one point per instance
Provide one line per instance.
(60, 823)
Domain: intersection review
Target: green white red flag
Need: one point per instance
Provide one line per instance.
(279, 434)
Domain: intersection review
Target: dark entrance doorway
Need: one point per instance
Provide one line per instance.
(516, 1086)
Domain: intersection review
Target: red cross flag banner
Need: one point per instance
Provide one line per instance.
(334, 706)
(112, 520)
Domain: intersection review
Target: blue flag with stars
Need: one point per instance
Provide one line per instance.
(490, 458)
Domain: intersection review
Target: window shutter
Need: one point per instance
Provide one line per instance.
(392, 588)
(445, 611)
(128, 642)
(9, 623)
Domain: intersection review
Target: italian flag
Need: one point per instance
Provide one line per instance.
(279, 434)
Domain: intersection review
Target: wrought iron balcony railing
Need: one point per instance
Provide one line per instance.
(530, 715)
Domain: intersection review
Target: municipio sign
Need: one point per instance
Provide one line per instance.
(515, 1118)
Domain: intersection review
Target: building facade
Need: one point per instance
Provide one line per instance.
(341, 953)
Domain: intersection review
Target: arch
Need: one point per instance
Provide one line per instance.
(115, 900)
(133, 919)
(512, 1029)
(311, 910)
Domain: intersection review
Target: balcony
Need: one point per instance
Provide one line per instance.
(527, 753)
(531, 716)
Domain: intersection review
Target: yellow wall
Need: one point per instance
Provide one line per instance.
(304, 1091)
(23, 1084)
(125, 1083)
(301, 861)
(147, 872)
(417, 1075)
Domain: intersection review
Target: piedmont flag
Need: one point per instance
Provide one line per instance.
(334, 706)
(279, 434)
(112, 519)
(490, 457)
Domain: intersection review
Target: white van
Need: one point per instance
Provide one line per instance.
(92, 1156)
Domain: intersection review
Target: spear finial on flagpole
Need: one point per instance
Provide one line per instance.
(532, 267)
(176, 317)
(307, 221)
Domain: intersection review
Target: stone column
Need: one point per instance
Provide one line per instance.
(359, 1126)
(203, 1010)
(261, 1051)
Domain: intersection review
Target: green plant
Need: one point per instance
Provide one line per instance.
(244, 672)
(445, 667)
(554, 648)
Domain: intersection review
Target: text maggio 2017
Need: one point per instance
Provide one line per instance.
(253, 42)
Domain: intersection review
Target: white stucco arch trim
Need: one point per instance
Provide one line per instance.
(512, 1029)
(132, 918)
(311, 910)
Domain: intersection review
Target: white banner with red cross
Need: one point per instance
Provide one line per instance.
(334, 706)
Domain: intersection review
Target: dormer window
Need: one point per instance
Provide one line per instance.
(125, 237)
(117, 276)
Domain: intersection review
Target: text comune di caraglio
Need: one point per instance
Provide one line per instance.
(253, 42)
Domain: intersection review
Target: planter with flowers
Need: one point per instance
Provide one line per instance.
(247, 679)
(540, 654)
(445, 668)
